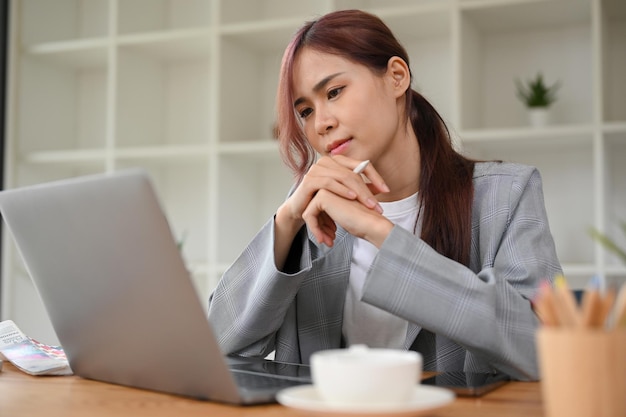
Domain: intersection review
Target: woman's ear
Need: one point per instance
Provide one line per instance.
(399, 74)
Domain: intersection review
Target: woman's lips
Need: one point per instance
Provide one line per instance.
(340, 147)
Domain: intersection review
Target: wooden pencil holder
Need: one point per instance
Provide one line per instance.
(583, 371)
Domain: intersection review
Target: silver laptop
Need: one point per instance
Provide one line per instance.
(104, 261)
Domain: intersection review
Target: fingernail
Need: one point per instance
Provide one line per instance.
(373, 204)
(384, 188)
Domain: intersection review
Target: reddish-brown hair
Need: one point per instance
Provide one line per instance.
(445, 186)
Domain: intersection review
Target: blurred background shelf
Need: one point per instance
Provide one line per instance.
(185, 89)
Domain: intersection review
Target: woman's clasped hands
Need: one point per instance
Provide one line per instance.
(331, 194)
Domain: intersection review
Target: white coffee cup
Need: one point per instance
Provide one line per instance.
(359, 375)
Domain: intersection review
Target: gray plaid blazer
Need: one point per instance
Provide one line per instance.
(473, 319)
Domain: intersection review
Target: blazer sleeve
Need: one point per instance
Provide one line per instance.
(485, 308)
(249, 304)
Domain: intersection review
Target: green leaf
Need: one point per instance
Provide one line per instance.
(608, 243)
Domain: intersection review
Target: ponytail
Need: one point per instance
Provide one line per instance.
(446, 183)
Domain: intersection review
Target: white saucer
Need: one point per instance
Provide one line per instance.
(425, 398)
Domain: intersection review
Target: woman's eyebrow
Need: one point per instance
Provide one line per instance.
(317, 87)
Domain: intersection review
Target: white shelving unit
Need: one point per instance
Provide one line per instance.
(185, 89)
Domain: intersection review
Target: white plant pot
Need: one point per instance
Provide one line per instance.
(538, 116)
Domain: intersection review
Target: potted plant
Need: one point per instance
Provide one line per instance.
(537, 97)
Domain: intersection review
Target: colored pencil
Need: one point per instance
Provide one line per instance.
(618, 315)
(565, 304)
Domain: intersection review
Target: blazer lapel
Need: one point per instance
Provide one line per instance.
(321, 297)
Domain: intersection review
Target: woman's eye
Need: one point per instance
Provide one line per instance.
(334, 92)
(305, 112)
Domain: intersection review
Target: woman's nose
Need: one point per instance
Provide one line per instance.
(324, 121)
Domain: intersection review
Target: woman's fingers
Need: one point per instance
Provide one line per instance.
(366, 169)
(345, 182)
(327, 210)
(337, 176)
(321, 225)
(376, 183)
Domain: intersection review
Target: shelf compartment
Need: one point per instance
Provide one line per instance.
(578, 275)
(516, 40)
(261, 36)
(201, 282)
(615, 154)
(537, 137)
(499, 16)
(614, 60)
(568, 182)
(37, 173)
(616, 276)
(417, 22)
(247, 116)
(430, 52)
(137, 16)
(260, 148)
(614, 127)
(238, 11)
(70, 156)
(62, 20)
(68, 103)
(180, 45)
(160, 100)
(79, 54)
(163, 153)
(380, 6)
(182, 188)
(256, 187)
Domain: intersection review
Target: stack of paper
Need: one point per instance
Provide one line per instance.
(29, 355)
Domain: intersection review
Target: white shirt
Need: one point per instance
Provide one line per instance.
(364, 323)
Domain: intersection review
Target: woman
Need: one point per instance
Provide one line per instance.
(426, 250)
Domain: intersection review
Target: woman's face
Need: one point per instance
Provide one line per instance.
(344, 107)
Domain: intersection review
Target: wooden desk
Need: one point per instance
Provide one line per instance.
(22, 395)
